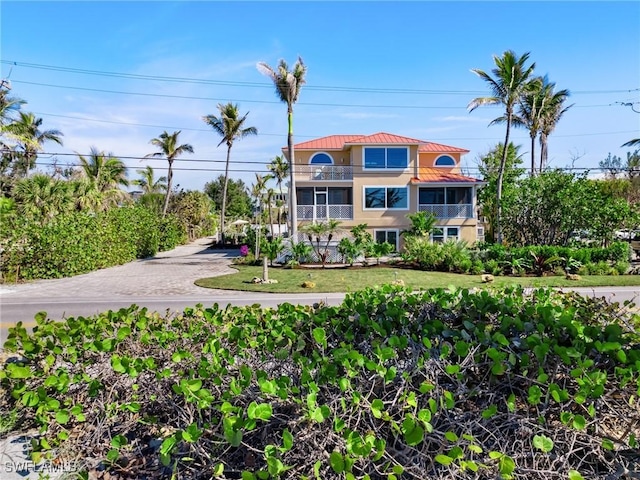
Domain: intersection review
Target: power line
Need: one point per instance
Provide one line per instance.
(212, 99)
(164, 127)
(268, 85)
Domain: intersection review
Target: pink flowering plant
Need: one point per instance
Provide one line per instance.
(244, 250)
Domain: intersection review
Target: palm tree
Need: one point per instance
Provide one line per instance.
(553, 109)
(42, 197)
(169, 148)
(230, 126)
(26, 130)
(509, 82)
(104, 174)
(632, 143)
(279, 169)
(149, 183)
(288, 85)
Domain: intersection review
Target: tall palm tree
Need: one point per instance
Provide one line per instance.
(104, 174)
(26, 130)
(231, 127)
(149, 183)
(279, 169)
(632, 143)
(509, 81)
(288, 85)
(170, 149)
(553, 110)
(530, 110)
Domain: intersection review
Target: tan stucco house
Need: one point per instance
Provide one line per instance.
(378, 179)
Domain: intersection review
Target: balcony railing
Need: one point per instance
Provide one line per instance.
(325, 212)
(459, 210)
(324, 172)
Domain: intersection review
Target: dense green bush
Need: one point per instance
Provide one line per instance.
(81, 242)
(442, 384)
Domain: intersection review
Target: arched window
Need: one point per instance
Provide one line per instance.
(445, 161)
(321, 159)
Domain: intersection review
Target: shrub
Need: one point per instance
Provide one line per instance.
(488, 384)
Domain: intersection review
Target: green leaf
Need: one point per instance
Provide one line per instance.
(16, 371)
(535, 395)
(415, 436)
(167, 445)
(336, 460)
(490, 411)
(444, 459)
(377, 407)
(287, 440)
(607, 444)
(575, 475)
(119, 441)
(579, 422)
(62, 417)
(506, 466)
(320, 336)
(262, 411)
(543, 443)
(451, 436)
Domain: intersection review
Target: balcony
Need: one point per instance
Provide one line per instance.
(458, 210)
(319, 213)
(329, 173)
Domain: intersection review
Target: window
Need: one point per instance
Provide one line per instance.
(340, 196)
(444, 196)
(431, 196)
(336, 196)
(321, 159)
(386, 197)
(390, 236)
(305, 196)
(445, 161)
(380, 158)
(443, 234)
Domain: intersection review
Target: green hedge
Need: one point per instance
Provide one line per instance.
(79, 243)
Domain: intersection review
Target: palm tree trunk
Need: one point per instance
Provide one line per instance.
(543, 151)
(533, 156)
(224, 195)
(293, 207)
(503, 163)
(166, 197)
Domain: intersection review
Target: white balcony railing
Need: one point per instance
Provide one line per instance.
(324, 172)
(460, 210)
(325, 212)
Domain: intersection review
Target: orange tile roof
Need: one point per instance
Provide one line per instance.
(439, 148)
(339, 142)
(438, 175)
(332, 142)
(384, 138)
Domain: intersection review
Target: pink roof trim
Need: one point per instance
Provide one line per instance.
(340, 142)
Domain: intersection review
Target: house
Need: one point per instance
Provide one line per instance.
(378, 179)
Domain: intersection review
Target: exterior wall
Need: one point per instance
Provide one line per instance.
(428, 159)
(382, 219)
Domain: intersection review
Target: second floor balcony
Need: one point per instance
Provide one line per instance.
(324, 172)
(443, 211)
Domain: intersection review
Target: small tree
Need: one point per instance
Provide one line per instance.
(272, 248)
(422, 224)
(321, 231)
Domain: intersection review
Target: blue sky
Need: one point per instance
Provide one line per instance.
(399, 67)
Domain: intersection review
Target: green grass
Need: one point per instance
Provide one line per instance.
(349, 280)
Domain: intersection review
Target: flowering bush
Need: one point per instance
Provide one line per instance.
(244, 250)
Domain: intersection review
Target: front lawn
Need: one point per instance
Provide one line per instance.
(351, 279)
